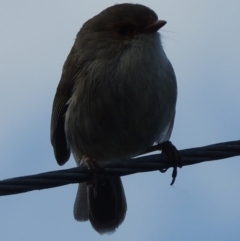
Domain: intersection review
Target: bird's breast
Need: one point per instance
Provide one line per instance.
(120, 114)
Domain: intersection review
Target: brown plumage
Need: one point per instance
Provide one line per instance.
(116, 97)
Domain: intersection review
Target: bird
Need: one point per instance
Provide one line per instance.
(116, 98)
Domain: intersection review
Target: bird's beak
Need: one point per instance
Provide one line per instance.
(155, 26)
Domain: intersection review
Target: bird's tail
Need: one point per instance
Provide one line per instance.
(103, 203)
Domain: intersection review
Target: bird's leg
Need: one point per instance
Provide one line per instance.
(175, 157)
(168, 148)
(92, 165)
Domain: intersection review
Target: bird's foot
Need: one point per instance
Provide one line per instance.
(92, 165)
(173, 154)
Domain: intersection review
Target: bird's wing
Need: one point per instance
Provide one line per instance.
(60, 106)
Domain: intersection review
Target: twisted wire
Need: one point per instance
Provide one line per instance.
(126, 167)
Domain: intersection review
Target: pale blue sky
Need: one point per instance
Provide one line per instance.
(202, 40)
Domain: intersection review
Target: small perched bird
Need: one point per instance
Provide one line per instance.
(116, 98)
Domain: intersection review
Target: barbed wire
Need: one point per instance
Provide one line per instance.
(126, 167)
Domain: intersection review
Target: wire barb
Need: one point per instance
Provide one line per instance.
(122, 168)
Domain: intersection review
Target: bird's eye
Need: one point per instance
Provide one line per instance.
(125, 30)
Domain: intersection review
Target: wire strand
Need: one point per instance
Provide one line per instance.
(126, 167)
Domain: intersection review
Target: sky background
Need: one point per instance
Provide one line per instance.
(202, 40)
